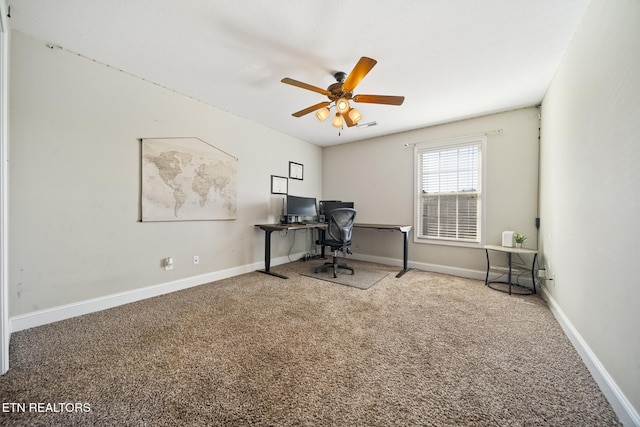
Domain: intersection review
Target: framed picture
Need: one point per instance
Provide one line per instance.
(279, 184)
(295, 170)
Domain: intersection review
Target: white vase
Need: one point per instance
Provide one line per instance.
(518, 245)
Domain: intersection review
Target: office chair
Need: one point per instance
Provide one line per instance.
(338, 238)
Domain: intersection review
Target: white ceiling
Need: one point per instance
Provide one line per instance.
(451, 59)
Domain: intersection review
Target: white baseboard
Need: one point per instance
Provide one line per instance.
(67, 311)
(627, 414)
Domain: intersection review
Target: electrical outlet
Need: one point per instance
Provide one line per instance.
(196, 260)
(168, 263)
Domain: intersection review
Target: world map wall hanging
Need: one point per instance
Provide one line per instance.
(187, 179)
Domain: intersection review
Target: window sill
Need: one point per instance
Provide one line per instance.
(452, 243)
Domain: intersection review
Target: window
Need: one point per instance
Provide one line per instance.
(448, 191)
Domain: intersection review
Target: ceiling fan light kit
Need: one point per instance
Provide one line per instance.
(342, 105)
(355, 115)
(337, 121)
(341, 92)
(322, 114)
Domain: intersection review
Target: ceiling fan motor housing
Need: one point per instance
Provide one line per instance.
(336, 89)
(336, 92)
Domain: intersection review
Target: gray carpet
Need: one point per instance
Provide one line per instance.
(362, 279)
(422, 350)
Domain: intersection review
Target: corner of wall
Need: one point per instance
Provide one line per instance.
(5, 333)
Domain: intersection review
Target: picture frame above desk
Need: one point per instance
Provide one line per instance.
(279, 184)
(296, 171)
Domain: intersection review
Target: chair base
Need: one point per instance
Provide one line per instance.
(335, 266)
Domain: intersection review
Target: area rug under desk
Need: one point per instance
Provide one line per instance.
(363, 279)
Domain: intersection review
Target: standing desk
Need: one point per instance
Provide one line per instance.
(404, 229)
(270, 228)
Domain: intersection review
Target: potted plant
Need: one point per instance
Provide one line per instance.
(519, 238)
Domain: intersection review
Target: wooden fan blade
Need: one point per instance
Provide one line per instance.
(379, 99)
(292, 82)
(361, 69)
(311, 109)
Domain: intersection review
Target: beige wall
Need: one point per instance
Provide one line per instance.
(590, 188)
(377, 174)
(74, 229)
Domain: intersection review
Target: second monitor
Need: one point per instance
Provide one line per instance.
(326, 206)
(300, 207)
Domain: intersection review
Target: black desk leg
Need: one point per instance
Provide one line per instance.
(405, 254)
(509, 256)
(267, 256)
(486, 279)
(321, 236)
(533, 274)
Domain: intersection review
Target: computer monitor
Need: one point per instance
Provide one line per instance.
(301, 206)
(329, 205)
(322, 203)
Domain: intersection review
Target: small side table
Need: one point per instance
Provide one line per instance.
(510, 251)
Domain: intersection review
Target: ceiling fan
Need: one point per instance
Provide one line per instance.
(341, 92)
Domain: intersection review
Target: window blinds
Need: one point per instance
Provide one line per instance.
(449, 192)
